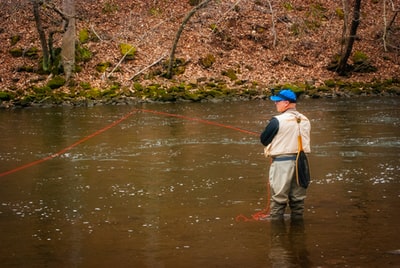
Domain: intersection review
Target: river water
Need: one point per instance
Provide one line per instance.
(87, 187)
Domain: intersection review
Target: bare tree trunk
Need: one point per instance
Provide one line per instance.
(178, 35)
(68, 40)
(346, 11)
(273, 23)
(342, 66)
(42, 35)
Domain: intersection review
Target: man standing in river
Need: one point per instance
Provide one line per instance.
(280, 137)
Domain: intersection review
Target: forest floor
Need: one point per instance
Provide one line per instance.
(226, 46)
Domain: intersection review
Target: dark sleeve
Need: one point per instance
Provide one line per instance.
(269, 132)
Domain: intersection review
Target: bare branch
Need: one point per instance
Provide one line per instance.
(226, 12)
(147, 67)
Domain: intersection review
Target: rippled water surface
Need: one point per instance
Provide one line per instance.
(87, 187)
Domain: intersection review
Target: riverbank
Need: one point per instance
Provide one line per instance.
(190, 92)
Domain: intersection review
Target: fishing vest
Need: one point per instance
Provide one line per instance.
(285, 140)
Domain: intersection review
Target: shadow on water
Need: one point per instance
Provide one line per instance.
(162, 191)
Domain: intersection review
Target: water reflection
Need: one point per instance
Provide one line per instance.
(288, 244)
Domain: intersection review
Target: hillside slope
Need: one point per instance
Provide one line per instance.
(292, 44)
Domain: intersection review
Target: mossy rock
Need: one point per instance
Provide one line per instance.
(230, 73)
(207, 61)
(16, 52)
(127, 50)
(32, 53)
(56, 82)
(15, 39)
(28, 69)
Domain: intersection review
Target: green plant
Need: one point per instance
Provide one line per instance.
(127, 50)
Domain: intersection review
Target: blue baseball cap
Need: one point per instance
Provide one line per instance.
(284, 95)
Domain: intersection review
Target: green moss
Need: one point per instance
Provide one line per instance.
(42, 90)
(16, 52)
(362, 63)
(84, 36)
(330, 83)
(109, 93)
(127, 50)
(83, 54)
(93, 93)
(207, 61)
(324, 89)
(288, 6)
(102, 66)
(115, 86)
(85, 85)
(15, 39)
(56, 82)
(137, 86)
(359, 57)
(214, 27)
(110, 7)
(340, 13)
(155, 11)
(32, 53)
(230, 73)
(178, 66)
(6, 96)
